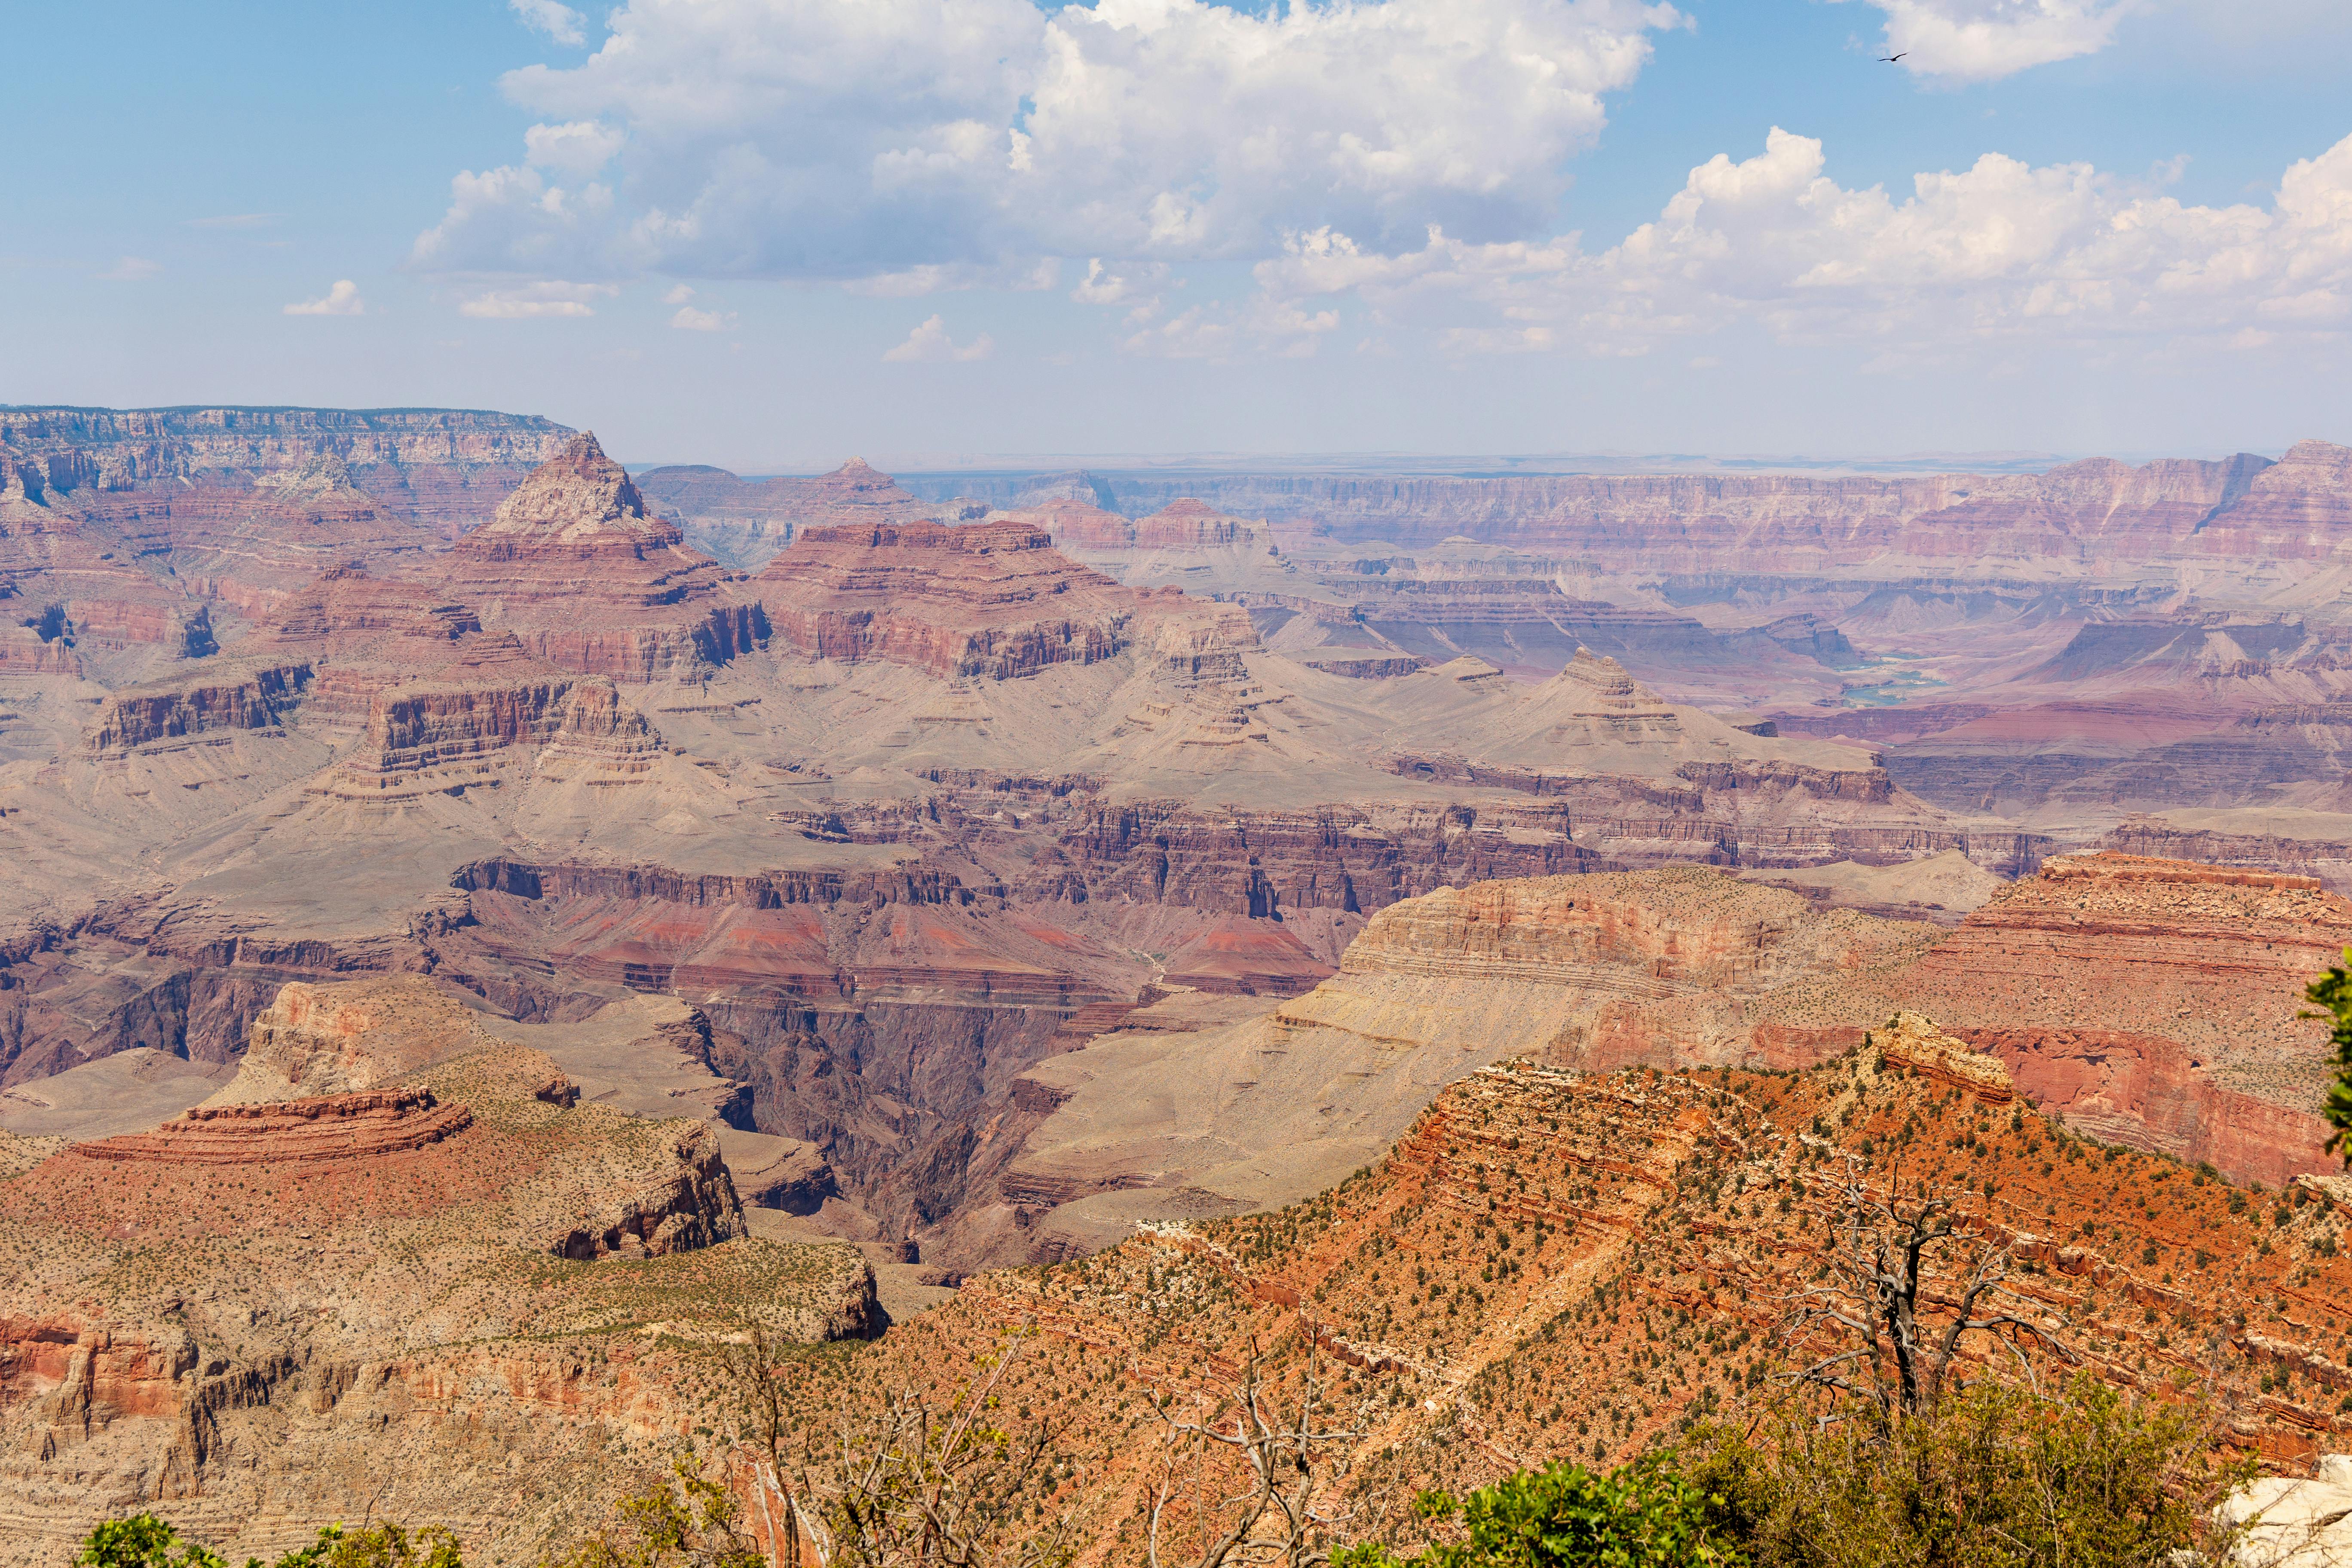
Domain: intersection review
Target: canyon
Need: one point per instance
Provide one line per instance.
(434, 842)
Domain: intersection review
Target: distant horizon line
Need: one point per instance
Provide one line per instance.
(1455, 464)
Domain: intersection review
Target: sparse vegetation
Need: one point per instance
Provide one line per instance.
(144, 1541)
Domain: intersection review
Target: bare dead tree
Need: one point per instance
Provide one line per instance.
(1909, 1278)
(1274, 1521)
(934, 1483)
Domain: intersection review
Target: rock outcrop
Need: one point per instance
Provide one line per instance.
(991, 600)
(1555, 1268)
(494, 708)
(299, 1131)
(577, 569)
(207, 699)
(2153, 1003)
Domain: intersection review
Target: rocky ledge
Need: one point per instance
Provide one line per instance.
(331, 1127)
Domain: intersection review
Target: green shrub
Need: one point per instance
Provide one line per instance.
(1641, 1515)
(144, 1541)
(1989, 1478)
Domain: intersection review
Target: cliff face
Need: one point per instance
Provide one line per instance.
(210, 699)
(2154, 1003)
(442, 467)
(995, 600)
(2150, 1004)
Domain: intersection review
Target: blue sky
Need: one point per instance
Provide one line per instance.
(769, 234)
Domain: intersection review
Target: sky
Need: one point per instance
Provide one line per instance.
(770, 234)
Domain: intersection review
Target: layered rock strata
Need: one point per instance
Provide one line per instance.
(575, 567)
(992, 600)
(299, 1131)
(211, 697)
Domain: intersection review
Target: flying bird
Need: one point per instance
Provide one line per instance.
(1890, 60)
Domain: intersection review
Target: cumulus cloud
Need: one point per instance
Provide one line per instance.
(575, 149)
(2002, 250)
(1981, 40)
(930, 343)
(1101, 286)
(690, 319)
(938, 141)
(535, 300)
(560, 22)
(342, 299)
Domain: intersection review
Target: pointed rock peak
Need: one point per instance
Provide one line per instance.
(857, 475)
(577, 488)
(1187, 506)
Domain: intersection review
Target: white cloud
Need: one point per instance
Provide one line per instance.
(936, 140)
(1103, 287)
(533, 300)
(679, 295)
(131, 269)
(1982, 40)
(560, 23)
(693, 320)
(575, 149)
(342, 299)
(930, 343)
(2000, 251)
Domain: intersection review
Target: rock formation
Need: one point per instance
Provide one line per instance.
(2150, 1004)
(576, 569)
(338, 1127)
(992, 600)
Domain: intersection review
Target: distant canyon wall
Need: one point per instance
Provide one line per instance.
(439, 466)
(2097, 510)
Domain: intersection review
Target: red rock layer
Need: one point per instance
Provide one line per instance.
(2158, 1002)
(349, 610)
(493, 700)
(988, 599)
(442, 467)
(1239, 957)
(576, 568)
(332, 1127)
